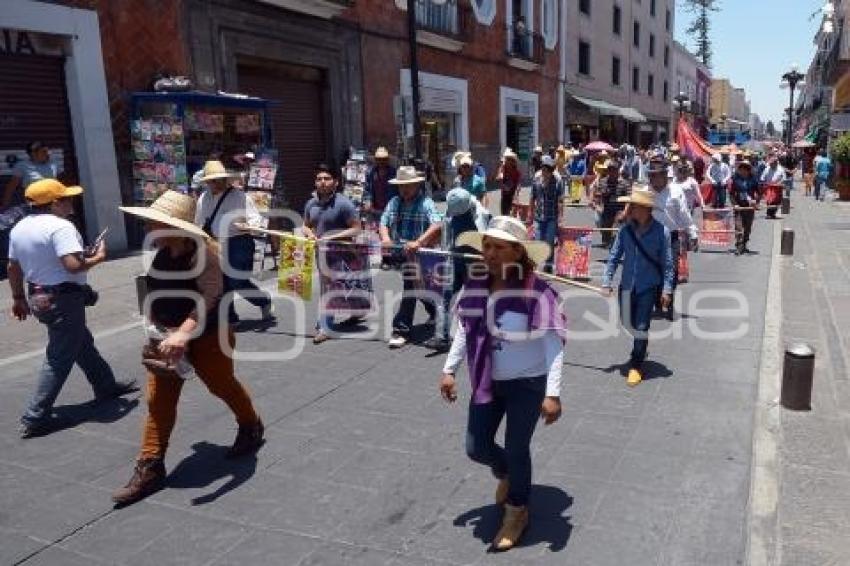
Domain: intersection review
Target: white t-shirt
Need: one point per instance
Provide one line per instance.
(38, 241)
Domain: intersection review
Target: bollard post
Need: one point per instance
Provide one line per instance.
(787, 247)
(798, 372)
(786, 206)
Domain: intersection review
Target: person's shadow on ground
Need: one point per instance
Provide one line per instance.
(650, 370)
(206, 465)
(69, 416)
(547, 524)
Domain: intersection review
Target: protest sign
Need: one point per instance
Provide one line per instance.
(346, 282)
(572, 258)
(295, 272)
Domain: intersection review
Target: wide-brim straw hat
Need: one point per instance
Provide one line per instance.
(215, 170)
(382, 153)
(172, 209)
(640, 196)
(509, 154)
(508, 229)
(406, 175)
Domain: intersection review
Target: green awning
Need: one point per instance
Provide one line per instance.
(633, 115)
(608, 109)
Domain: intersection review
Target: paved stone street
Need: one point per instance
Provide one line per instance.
(364, 464)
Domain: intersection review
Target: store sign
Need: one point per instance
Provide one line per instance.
(516, 107)
(19, 42)
(440, 100)
(840, 122)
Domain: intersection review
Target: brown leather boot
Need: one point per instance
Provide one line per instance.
(148, 478)
(513, 525)
(248, 440)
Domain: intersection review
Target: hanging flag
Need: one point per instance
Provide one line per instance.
(295, 272)
(718, 228)
(346, 282)
(572, 258)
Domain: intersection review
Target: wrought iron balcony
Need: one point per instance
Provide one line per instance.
(837, 60)
(525, 45)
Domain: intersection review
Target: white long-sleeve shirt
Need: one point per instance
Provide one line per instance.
(773, 175)
(515, 355)
(719, 173)
(671, 209)
(690, 188)
(236, 208)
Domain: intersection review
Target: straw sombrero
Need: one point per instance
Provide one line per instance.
(215, 170)
(406, 175)
(641, 195)
(171, 208)
(508, 229)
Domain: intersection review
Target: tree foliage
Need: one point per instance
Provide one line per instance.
(700, 27)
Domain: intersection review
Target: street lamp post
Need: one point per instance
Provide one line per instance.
(792, 78)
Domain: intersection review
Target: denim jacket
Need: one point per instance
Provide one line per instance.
(639, 274)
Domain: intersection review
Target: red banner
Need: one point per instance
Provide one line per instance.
(572, 258)
(718, 228)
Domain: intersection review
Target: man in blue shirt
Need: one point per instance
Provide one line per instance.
(328, 216)
(823, 169)
(643, 246)
(410, 220)
(467, 179)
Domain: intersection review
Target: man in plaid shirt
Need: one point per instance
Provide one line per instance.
(412, 220)
(547, 194)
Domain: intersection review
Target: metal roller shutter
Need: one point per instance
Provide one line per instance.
(298, 121)
(34, 106)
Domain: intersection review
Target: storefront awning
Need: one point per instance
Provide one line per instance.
(599, 105)
(608, 109)
(633, 115)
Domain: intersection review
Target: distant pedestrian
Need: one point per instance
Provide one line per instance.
(604, 193)
(378, 191)
(186, 261)
(467, 179)
(329, 215)
(511, 334)
(745, 195)
(643, 247)
(221, 207)
(508, 178)
(823, 171)
(719, 175)
(47, 273)
(36, 167)
(546, 206)
(410, 221)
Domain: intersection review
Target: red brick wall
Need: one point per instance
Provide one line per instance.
(482, 62)
(139, 38)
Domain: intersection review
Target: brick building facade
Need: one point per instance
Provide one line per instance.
(482, 87)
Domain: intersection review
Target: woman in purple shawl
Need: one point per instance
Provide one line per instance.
(511, 333)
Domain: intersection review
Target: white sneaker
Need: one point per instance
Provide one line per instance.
(397, 341)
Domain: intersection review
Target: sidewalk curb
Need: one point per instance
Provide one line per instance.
(762, 508)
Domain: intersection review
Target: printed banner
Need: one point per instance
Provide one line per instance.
(718, 228)
(262, 172)
(435, 271)
(572, 258)
(295, 272)
(346, 282)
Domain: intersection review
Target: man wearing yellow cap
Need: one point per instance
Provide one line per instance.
(46, 251)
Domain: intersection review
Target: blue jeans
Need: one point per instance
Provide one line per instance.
(69, 342)
(820, 183)
(519, 400)
(324, 322)
(403, 320)
(635, 315)
(240, 256)
(547, 231)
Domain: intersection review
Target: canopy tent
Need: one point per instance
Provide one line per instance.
(690, 144)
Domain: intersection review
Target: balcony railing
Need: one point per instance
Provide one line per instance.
(836, 60)
(449, 19)
(525, 45)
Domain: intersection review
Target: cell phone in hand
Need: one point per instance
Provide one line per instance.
(92, 249)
